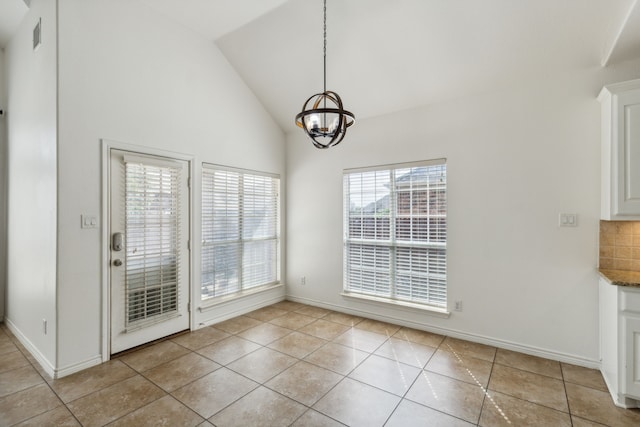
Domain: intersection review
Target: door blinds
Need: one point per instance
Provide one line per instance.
(240, 230)
(152, 238)
(395, 222)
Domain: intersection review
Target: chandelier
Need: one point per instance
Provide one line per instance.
(323, 116)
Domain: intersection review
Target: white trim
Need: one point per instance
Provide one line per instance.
(619, 399)
(40, 358)
(158, 161)
(240, 311)
(420, 163)
(108, 145)
(435, 272)
(387, 302)
(142, 149)
(105, 175)
(77, 367)
(495, 342)
(215, 166)
(195, 250)
(44, 363)
(212, 303)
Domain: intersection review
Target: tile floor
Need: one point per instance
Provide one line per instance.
(293, 364)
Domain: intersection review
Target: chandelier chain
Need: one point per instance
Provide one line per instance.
(324, 49)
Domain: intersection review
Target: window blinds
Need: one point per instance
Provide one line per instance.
(395, 232)
(240, 230)
(152, 228)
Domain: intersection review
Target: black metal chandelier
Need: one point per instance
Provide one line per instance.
(326, 126)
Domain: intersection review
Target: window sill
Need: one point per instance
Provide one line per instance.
(386, 302)
(211, 303)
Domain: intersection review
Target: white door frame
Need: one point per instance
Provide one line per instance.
(107, 146)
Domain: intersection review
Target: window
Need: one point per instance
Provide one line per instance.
(395, 220)
(240, 230)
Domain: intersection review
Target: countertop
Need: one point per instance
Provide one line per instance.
(621, 277)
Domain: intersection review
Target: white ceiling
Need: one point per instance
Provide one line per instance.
(213, 18)
(11, 14)
(626, 42)
(386, 56)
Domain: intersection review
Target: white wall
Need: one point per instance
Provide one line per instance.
(128, 74)
(516, 158)
(3, 184)
(31, 123)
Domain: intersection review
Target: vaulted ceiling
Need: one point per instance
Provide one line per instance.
(386, 56)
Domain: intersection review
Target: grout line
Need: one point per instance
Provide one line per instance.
(143, 406)
(566, 395)
(407, 388)
(485, 395)
(225, 407)
(326, 342)
(46, 381)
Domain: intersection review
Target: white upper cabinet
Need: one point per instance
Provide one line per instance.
(620, 151)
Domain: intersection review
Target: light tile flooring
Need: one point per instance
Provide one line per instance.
(293, 364)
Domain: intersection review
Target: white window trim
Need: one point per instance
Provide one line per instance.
(393, 243)
(389, 166)
(205, 304)
(385, 302)
(211, 303)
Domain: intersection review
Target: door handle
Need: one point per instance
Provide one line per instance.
(117, 262)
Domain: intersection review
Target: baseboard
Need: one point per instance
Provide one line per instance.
(48, 368)
(77, 367)
(481, 339)
(619, 400)
(624, 402)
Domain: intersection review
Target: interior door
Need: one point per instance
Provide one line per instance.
(149, 232)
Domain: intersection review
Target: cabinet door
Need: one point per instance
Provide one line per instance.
(609, 349)
(631, 373)
(627, 145)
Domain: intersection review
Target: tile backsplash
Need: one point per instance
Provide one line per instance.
(620, 245)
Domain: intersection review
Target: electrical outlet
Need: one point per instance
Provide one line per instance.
(458, 306)
(303, 280)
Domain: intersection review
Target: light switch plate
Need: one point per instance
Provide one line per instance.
(568, 220)
(89, 221)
